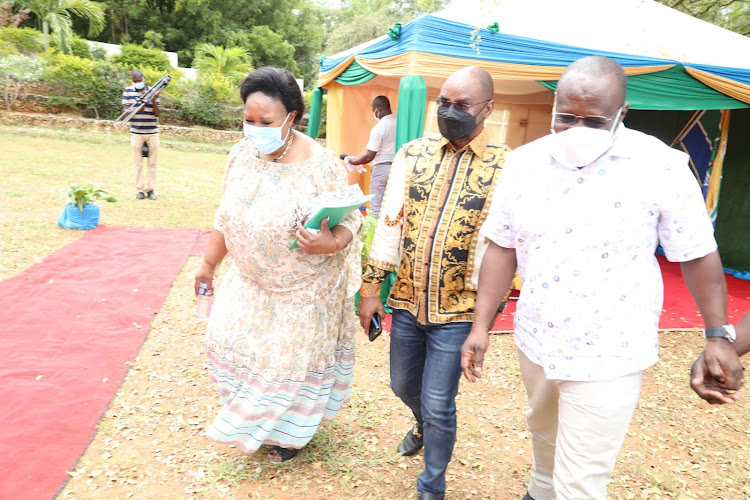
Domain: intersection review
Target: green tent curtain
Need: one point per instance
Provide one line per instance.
(412, 101)
(672, 89)
(355, 75)
(313, 115)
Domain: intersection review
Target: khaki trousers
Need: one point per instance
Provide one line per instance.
(577, 429)
(136, 143)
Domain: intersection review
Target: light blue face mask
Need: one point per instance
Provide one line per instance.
(139, 85)
(266, 139)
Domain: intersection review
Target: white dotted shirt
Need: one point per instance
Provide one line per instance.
(585, 240)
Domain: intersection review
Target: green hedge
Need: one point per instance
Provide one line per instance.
(137, 57)
(26, 40)
(94, 87)
(211, 100)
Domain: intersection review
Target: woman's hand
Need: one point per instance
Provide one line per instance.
(205, 273)
(323, 242)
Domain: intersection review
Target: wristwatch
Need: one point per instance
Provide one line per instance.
(722, 332)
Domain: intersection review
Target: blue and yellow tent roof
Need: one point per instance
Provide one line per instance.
(434, 47)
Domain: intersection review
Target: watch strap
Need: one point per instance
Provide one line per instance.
(721, 332)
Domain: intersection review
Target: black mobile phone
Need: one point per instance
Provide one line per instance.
(376, 327)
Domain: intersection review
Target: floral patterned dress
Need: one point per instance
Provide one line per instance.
(281, 337)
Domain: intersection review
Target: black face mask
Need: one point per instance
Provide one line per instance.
(454, 123)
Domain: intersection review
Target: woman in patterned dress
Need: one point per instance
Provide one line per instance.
(281, 336)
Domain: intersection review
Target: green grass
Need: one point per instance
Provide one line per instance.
(39, 164)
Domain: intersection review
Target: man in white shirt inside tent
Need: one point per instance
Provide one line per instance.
(581, 212)
(380, 150)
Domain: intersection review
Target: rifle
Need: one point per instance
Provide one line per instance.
(144, 99)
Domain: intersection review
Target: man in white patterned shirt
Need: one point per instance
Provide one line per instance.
(581, 212)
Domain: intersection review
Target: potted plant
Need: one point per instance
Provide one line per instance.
(82, 212)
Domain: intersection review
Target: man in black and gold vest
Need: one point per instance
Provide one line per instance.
(437, 197)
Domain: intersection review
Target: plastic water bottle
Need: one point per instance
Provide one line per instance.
(205, 297)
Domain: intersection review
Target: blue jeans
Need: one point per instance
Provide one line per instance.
(425, 371)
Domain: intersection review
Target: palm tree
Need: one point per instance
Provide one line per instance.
(55, 14)
(230, 61)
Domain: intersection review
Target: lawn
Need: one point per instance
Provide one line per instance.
(150, 442)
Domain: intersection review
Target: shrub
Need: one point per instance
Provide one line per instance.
(153, 40)
(15, 70)
(95, 87)
(7, 49)
(77, 45)
(135, 56)
(151, 75)
(210, 100)
(98, 53)
(26, 40)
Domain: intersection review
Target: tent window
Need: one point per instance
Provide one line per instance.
(496, 124)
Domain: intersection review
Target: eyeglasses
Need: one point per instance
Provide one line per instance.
(591, 121)
(463, 106)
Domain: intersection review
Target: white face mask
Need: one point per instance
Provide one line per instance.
(266, 139)
(577, 147)
(375, 115)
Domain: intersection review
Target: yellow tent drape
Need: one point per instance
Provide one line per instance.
(714, 182)
(737, 90)
(440, 66)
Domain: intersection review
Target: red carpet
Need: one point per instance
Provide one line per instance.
(679, 309)
(70, 325)
(72, 322)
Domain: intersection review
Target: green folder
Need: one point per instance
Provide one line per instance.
(334, 213)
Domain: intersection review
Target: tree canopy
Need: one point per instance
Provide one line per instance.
(733, 15)
(288, 33)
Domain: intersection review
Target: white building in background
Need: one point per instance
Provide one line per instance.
(112, 50)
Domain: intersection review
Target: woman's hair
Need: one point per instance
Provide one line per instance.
(277, 83)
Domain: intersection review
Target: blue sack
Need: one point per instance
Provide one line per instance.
(71, 218)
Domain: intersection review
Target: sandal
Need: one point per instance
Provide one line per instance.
(278, 454)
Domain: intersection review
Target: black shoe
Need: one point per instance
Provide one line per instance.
(423, 495)
(140, 196)
(151, 195)
(527, 497)
(412, 443)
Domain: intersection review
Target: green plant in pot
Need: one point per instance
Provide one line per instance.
(81, 195)
(82, 212)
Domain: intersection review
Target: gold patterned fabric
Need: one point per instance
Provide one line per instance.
(435, 202)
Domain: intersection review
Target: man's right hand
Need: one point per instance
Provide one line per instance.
(707, 387)
(367, 307)
(472, 354)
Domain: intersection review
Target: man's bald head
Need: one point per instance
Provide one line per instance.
(475, 77)
(468, 97)
(595, 67)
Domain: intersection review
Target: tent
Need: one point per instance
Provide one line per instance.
(675, 64)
